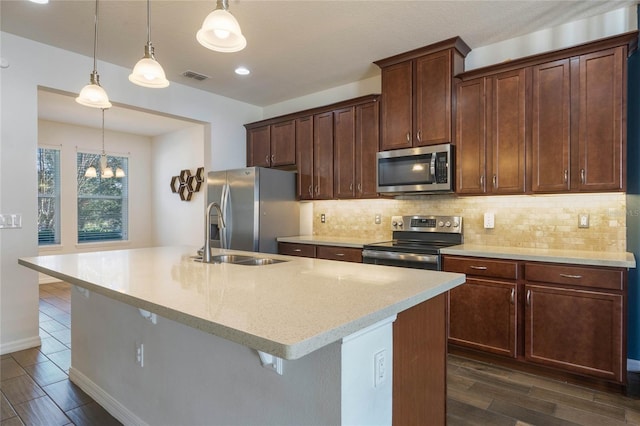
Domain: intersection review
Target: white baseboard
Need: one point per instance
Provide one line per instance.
(109, 403)
(633, 365)
(19, 345)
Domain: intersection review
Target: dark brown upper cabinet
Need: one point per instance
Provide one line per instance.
(272, 145)
(416, 105)
(356, 141)
(554, 122)
(490, 140)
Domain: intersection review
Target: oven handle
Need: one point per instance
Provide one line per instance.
(392, 255)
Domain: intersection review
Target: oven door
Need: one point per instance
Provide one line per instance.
(402, 259)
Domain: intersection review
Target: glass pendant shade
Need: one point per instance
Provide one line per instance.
(93, 95)
(107, 172)
(120, 173)
(148, 72)
(91, 172)
(221, 32)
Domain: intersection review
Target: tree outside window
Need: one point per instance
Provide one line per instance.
(103, 203)
(48, 165)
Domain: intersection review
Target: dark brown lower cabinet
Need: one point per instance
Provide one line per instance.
(566, 321)
(482, 315)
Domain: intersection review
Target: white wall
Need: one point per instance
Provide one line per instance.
(177, 222)
(34, 64)
(570, 34)
(70, 139)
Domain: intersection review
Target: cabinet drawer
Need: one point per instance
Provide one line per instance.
(606, 278)
(481, 267)
(347, 254)
(294, 249)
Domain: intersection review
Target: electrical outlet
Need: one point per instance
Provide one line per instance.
(489, 220)
(323, 218)
(379, 368)
(140, 354)
(378, 219)
(583, 220)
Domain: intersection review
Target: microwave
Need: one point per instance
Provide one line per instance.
(423, 170)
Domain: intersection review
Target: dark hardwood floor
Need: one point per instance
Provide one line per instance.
(484, 394)
(35, 388)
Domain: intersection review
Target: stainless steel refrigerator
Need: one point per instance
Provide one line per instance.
(257, 204)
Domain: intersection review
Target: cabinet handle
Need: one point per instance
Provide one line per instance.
(409, 137)
(495, 181)
(266, 159)
(482, 181)
(528, 297)
(582, 176)
(419, 135)
(297, 250)
(351, 186)
(340, 254)
(575, 277)
(478, 268)
(273, 158)
(310, 190)
(566, 176)
(359, 187)
(513, 296)
(317, 189)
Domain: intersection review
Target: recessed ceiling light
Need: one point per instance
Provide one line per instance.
(40, 1)
(242, 71)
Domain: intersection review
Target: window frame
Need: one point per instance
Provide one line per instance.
(55, 196)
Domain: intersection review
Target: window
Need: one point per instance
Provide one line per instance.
(103, 203)
(48, 164)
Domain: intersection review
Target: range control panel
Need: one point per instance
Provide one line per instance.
(421, 223)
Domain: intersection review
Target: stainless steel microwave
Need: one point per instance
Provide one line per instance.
(423, 170)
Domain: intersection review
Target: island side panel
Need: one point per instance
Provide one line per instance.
(192, 377)
(420, 364)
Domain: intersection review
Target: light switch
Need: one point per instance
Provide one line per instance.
(489, 220)
(11, 220)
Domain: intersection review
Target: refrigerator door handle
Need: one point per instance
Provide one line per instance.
(223, 207)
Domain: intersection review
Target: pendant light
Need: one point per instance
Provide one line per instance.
(220, 30)
(148, 72)
(105, 170)
(93, 95)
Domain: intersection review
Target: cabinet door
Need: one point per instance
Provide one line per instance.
(258, 147)
(551, 103)
(471, 144)
(602, 114)
(432, 99)
(575, 330)
(397, 108)
(323, 156)
(283, 143)
(297, 249)
(344, 143)
(507, 134)
(483, 315)
(304, 157)
(367, 143)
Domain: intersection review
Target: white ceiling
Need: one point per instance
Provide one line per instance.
(294, 47)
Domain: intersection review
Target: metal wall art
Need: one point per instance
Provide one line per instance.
(185, 184)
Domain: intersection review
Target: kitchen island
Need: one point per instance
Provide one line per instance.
(158, 338)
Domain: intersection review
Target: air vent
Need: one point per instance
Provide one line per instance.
(195, 75)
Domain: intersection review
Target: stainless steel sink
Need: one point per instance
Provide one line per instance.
(238, 259)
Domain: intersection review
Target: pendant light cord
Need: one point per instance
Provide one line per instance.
(95, 40)
(148, 22)
(103, 153)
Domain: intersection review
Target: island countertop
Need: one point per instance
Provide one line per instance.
(287, 309)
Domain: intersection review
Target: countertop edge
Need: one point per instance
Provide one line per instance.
(503, 253)
(323, 241)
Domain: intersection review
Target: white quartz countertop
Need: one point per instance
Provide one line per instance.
(578, 257)
(286, 309)
(326, 241)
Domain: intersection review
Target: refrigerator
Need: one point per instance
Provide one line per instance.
(257, 205)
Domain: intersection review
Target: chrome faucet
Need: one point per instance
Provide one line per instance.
(206, 255)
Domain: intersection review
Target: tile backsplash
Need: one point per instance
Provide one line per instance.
(532, 221)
